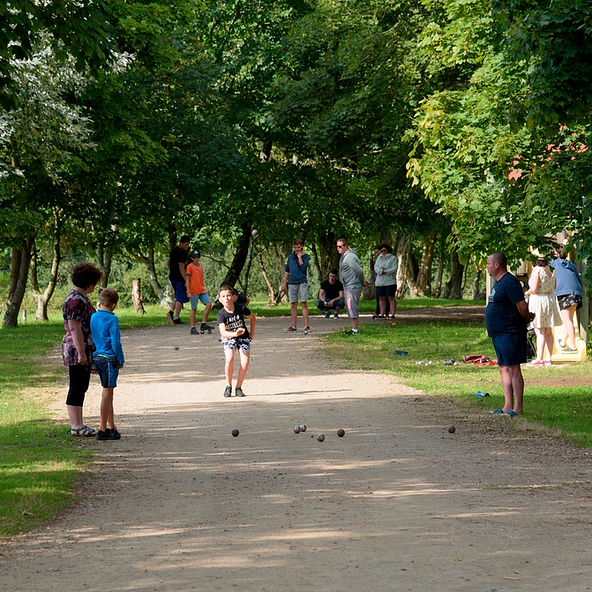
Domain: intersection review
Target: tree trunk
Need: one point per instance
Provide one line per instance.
(42, 299)
(19, 272)
(240, 256)
(247, 274)
(137, 296)
(159, 291)
(402, 252)
(105, 257)
(328, 257)
(438, 287)
(476, 283)
(454, 285)
(424, 276)
(270, 288)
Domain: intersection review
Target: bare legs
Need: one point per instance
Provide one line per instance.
(107, 418)
(245, 357)
(544, 337)
(206, 312)
(294, 313)
(513, 385)
(204, 318)
(75, 414)
(567, 316)
(392, 305)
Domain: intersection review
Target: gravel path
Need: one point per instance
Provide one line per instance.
(397, 504)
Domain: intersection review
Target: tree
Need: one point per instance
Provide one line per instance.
(23, 22)
(503, 164)
(37, 142)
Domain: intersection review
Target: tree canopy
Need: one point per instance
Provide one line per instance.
(126, 123)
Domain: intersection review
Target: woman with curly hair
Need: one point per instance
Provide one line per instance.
(77, 345)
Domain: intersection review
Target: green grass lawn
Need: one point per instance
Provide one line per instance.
(39, 461)
(559, 396)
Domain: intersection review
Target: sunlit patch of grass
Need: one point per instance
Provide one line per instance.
(554, 399)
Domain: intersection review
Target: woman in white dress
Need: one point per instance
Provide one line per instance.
(542, 302)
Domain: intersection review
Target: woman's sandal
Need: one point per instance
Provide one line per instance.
(83, 431)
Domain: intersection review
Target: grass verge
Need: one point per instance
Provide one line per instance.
(39, 461)
(559, 396)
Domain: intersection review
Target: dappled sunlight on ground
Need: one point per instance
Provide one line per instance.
(398, 503)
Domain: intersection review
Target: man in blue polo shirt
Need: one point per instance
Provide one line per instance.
(506, 317)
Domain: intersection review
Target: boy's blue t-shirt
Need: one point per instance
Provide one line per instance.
(501, 312)
(104, 327)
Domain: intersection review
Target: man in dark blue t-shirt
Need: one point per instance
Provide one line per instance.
(506, 317)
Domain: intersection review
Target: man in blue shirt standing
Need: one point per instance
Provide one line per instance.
(506, 317)
(296, 283)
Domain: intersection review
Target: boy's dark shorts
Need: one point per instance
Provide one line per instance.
(510, 349)
(108, 371)
(180, 291)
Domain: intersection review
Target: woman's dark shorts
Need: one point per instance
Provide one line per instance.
(510, 349)
(568, 300)
(386, 290)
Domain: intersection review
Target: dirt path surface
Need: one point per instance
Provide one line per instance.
(397, 504)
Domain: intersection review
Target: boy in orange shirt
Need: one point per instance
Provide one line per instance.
(196, 291)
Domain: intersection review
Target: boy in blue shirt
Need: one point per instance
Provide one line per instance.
(108, 358)
(296, 284)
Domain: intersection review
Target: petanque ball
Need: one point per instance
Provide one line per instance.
(296, 429)
(302, 427)
(235, 432)
(341, 433)
(451, 429)
(321, 437)
(255, 233)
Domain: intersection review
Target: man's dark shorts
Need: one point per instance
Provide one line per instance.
(180, 291)
(510, 349)
(108, 371)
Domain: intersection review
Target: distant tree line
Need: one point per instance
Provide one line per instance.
(449, 128)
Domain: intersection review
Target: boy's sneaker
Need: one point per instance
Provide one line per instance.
(193, 331)
(327, 314)
(104, 435)
(307, 330)
(335, 315)
(291, 329)
(115, 435)
(239, 392)
(351, 332)
(178, 321)
(170, 317)
(228, 391)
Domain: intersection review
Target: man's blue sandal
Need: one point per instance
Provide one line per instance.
(497, 412)
(512, 413)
